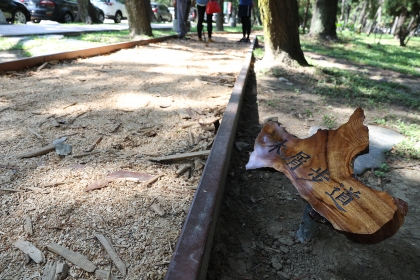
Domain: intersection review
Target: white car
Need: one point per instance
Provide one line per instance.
(113, 9)
(172, 11)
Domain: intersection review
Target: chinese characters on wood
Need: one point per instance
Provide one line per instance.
(320, 167)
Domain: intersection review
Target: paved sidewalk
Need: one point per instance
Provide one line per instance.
(11, 30)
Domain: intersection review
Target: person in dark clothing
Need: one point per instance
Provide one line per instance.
(201, 10)
(244, 12)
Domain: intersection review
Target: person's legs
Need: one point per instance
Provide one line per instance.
(181, 5)
(209, 25)
(243, 20)
(246, 25)
(200, 14)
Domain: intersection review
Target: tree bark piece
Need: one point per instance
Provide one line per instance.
(28, 248)
(111, 252)
(73, 257)
(320, 169)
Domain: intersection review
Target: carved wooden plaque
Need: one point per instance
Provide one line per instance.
(320, 167)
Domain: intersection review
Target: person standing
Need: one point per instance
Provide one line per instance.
(201, 10)
(182, 14)
(244, 12)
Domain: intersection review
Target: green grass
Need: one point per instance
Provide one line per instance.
(359, 90)
(369, 50)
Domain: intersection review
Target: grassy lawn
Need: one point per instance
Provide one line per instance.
(374, 50)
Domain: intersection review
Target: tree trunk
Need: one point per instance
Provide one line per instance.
(323, 20)
(305, 16)
(281, 31)
(346, 14)
(375, 20)
(139, 17)
(219, 18)
(399, 28)
(359, 23)
(86, 12)
(394, 25)
(343, 9)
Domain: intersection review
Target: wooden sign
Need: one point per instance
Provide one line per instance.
(320, 167)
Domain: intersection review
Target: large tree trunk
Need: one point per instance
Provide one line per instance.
(219, 18)
(281, 31)
(86, 12)
(139, 17)
(323, 20)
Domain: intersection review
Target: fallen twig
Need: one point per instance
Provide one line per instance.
(11, 190)
(97, 141)
(182, 156)
(42, 66)
(77, 116)
(85, 154)
(39, 152)
(4, 109)
(35, 133)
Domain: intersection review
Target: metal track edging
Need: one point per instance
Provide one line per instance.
(192, 252)
(25, 63)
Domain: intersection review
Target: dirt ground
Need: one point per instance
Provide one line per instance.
(136, 104)
(149, 102)
(262, 210)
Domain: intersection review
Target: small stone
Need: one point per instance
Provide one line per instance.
(281, 79)
(289, 84)
(241, 145)
(165, 105)
(306, 249)
(283, 275)
(284, 249)
(276, 264)
(286, 241)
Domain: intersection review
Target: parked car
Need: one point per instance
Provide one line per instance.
(14, 11)
(172, 11)
(113, 9)
(63, 11)
(161, 12)
(193, 14)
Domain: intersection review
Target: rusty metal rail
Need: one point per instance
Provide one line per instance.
(25, 63)
(192, 252)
